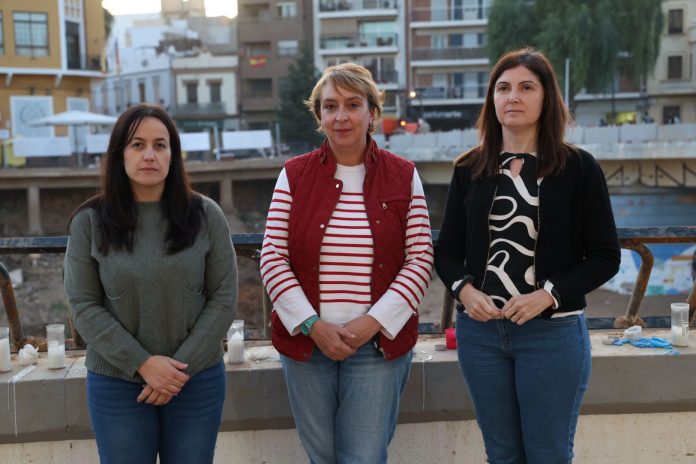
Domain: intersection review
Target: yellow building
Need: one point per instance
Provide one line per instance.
(49, 53)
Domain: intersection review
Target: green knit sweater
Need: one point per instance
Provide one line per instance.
(130, 306)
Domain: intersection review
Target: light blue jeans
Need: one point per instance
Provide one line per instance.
(346, 411)
(527, 384)
(182, 431)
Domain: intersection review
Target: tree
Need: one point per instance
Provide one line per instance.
(298, 128)
(599, 36)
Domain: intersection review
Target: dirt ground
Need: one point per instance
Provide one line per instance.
(41, 300)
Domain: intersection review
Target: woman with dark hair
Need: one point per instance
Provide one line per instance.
(527, 232)
(151, 279)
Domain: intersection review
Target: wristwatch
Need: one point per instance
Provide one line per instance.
(306, 326)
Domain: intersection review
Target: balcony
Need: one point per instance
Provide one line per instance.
(457, 92)
(359, 41)
(447, 54)
(330, 6)
(473, 14)
(678, 86)
(199, 110)
(385, 77)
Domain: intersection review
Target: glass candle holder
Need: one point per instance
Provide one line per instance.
(5, 359)
(235, 342)
(680, 324)
(55, 335)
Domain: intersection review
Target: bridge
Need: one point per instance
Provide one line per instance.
(636, 167)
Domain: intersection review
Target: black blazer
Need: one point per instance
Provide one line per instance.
(577, 248)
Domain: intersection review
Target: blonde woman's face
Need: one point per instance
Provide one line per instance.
(345, 118)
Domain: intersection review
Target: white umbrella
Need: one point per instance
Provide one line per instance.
(75, 118)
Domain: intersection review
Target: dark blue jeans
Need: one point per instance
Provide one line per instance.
(181, 431)
(527, 383)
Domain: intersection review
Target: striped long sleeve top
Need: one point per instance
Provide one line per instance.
(346, 260)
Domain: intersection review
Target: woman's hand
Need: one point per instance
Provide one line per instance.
(478, 305)
(521, 308)
(164, 374)
(150, 396)
(363, 328)
(331, 340)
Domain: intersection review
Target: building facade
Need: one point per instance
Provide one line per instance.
(50, 53)
(186, 64)
(370, 33)
(448, 65)
(270, 34)
(668, 95)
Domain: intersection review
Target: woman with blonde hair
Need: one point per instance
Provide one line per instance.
(346, 258)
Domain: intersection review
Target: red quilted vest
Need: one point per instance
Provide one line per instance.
(315, 192)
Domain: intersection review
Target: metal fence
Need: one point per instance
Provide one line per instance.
(249, 246)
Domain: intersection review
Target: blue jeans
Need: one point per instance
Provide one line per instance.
(527, 383)
(346, 411)
(181, 431)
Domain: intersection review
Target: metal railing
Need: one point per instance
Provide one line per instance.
(249, 246)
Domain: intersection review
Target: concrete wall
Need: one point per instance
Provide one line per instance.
(640, 408)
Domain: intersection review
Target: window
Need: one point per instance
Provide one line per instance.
(72, 44)
(258, 88)
(127, 94)
(674, 67)
(141, 91)
(31, 34)
(215, 91)
(675, 22)
(156, 90)
(671, 115)
(287, 10)
(191, 92)
(2, 37)
(288, 47)
(258, 49)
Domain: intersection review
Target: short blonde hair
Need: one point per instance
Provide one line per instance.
(348, 76)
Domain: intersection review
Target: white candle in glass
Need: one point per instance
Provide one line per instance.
(235, 348)
(56, 355)
(5, 359)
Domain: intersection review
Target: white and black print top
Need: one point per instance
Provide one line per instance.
(513, 223)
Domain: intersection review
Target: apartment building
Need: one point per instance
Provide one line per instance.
(185, 63)
(50, 52)
(448, 65)
(672, 87)
(669, 93)
(270, 34)
(368, 32)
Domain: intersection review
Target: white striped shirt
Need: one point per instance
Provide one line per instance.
(346, 260)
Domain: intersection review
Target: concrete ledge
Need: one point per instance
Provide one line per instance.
(46, 405)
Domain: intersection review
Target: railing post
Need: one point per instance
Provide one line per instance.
(631, 318)
(447, 310)
(8, 299)
(267, 308)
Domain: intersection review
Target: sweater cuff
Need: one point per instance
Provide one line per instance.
(457, 287)
(551, 290)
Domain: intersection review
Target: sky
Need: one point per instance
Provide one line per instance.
(213, 7)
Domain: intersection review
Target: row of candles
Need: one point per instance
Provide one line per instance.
(55, 335)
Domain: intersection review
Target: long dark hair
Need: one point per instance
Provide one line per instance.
(115, 203)
(552, 150)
